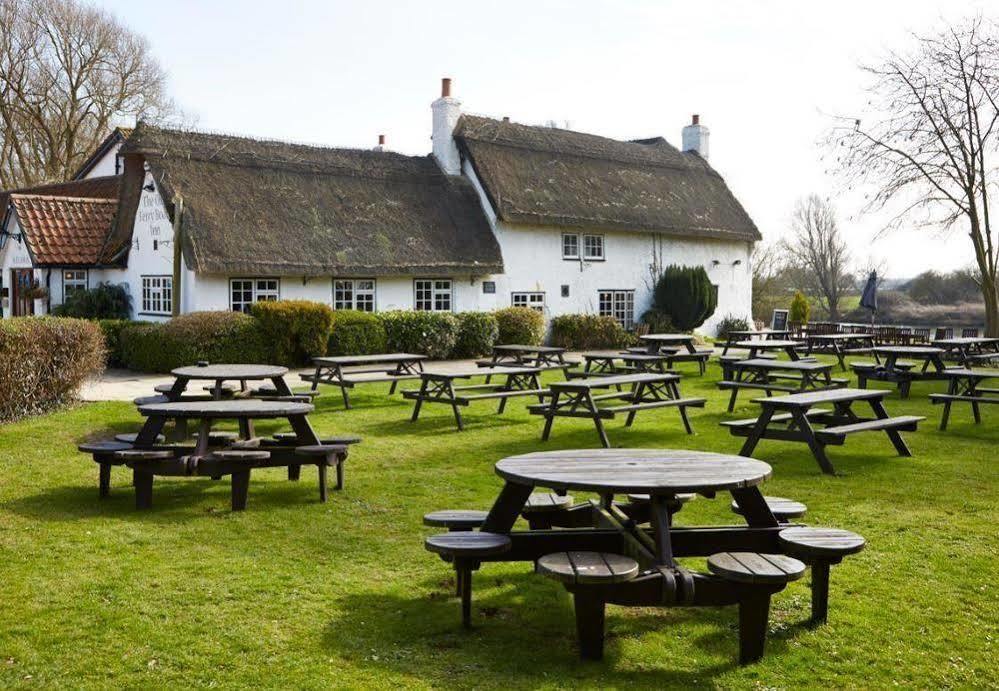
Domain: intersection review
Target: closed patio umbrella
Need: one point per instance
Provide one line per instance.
(869, 298)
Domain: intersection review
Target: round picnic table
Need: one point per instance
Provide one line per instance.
(221, 373)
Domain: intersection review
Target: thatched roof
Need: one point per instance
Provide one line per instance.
(273, 208)
(64, 231)
(554, 177)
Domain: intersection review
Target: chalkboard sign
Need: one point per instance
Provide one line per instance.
(779, 321)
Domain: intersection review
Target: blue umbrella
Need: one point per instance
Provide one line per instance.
(869, 298)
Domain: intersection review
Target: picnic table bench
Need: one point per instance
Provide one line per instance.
(777, 375)
(679, 347)
(438, 387)
(733, 337)
(840, 345)
(969, 350)
(791, 418)
(612, 362)
(901, 372)
(964, 386)
(756, 347)
(343, 370)
(646, 391)
(609, 558)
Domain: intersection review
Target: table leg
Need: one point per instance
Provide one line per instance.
(757, 432)
(179, 385)
(893, 434)
(660, 527)
(808, 435)
(506, 508)
(419, 400)
(143, 482)
(281, 386)
(597, 422)
(840, 355)
(550, 416)
(454, 406)
(590, 609)
(151, 429)
(240, 488)
(201, 445)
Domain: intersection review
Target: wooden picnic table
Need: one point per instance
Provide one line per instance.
(438, 387)
(902, 373)
(528, 355)
(755, 347)
(645, 390)
(791, 418)
(964, 386)
(610, 362)
(199, 460)
(660, 580)
(734, 337)
(840, 344)
(342, 370)
(969, 350)
(656, 342)
(777, 375)
(219, 374)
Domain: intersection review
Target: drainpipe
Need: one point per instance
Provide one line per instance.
(48, 291)
(178, 212)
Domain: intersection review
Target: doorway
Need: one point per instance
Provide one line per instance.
(22, 281)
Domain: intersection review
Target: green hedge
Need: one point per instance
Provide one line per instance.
(229, 337)
(477, 333)
(105, 301)
(520, 325)
(112, 328)
(295, 330)
(431, 333)
(587, 331)
(45, 361)
(356, 333)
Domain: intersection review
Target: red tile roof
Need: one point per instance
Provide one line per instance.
(64, 231)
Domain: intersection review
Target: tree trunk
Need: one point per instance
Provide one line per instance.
(991, 305)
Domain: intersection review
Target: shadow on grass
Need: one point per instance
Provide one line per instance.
(524, 630)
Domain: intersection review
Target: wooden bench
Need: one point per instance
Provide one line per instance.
(782, 508)
(326, 455)
(464, 550)
(821, 548)
(577, 399)
(542, 509)
(342, 371)
(900, 423)
(456, 519)
(761, 575)
(948, 399)
(439, 387)
(104, 453)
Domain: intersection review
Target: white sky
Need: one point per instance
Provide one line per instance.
(763, 75)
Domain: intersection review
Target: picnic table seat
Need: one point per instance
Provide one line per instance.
(220, 438)
(761, 575)
(289, 438)
(782, 508)
(541, 509)
(465, 550)
(104, 456)
(142, 475)
(947, 399)
(746, 424)
(130, 437)
(456, 519)
(821, 548)
(326, 455)
(899, 423)
(268, 391)
(587, 568)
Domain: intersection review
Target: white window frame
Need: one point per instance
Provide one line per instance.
(430, 298)
(619, 303)
(70, 285)
(157, 295)
(600, 243)
(355, 294)
(258, 290)
(575, 240)
(533, 300)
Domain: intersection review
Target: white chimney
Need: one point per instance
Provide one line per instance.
(381, 143)
(695, 137)
(446, 110)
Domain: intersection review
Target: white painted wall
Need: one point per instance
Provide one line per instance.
(107, 164)
(14, 255)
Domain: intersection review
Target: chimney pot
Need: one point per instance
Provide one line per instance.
(445, 87)
(696, 120)
(506, 118)
(381, 140)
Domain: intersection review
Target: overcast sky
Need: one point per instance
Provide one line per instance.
(764, 76)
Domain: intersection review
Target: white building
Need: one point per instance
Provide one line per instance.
(500, 214)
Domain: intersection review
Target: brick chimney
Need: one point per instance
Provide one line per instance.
(695, 137)
(446, 110)
(381, 143)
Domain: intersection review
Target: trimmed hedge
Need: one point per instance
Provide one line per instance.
(587, 331)
(295, 330)
(229, 337)
(45, 361)
(520, 325)
(433, 334)
(105, 301)
(356, 333)
(477, 333)
(112, 328)
(731, 323)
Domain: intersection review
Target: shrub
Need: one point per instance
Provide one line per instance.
(106, 301)
(295, 330)
(586, 331)
(45, 360)
(799, 308)
(732, 323)
(686, 294)
(430, 333)
(111, 328)
(657, 322)
(477, 333)
(356, 333)
(230, 337)
(520, 325)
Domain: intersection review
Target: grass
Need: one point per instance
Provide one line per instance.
(295, 594)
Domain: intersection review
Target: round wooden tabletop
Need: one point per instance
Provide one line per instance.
(224, 371)
(243, 408)
(634, 471)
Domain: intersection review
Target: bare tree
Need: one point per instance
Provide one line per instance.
(770, 291)
(928, 146)
(818, 250)
(69, 72)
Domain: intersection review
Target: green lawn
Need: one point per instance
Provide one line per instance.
(295, 594)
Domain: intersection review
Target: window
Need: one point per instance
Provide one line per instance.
(73, 280)
(570, 246)
(433, 294)
(593, 247)
(157, 294)
(357, 294)
(565, 290)
(243, 292)
(536, 301)
(619, 304)
(489, 287)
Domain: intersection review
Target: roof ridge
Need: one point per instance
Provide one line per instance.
(60, 197)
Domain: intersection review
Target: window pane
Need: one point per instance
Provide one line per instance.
(593, 246)
(570, 246)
